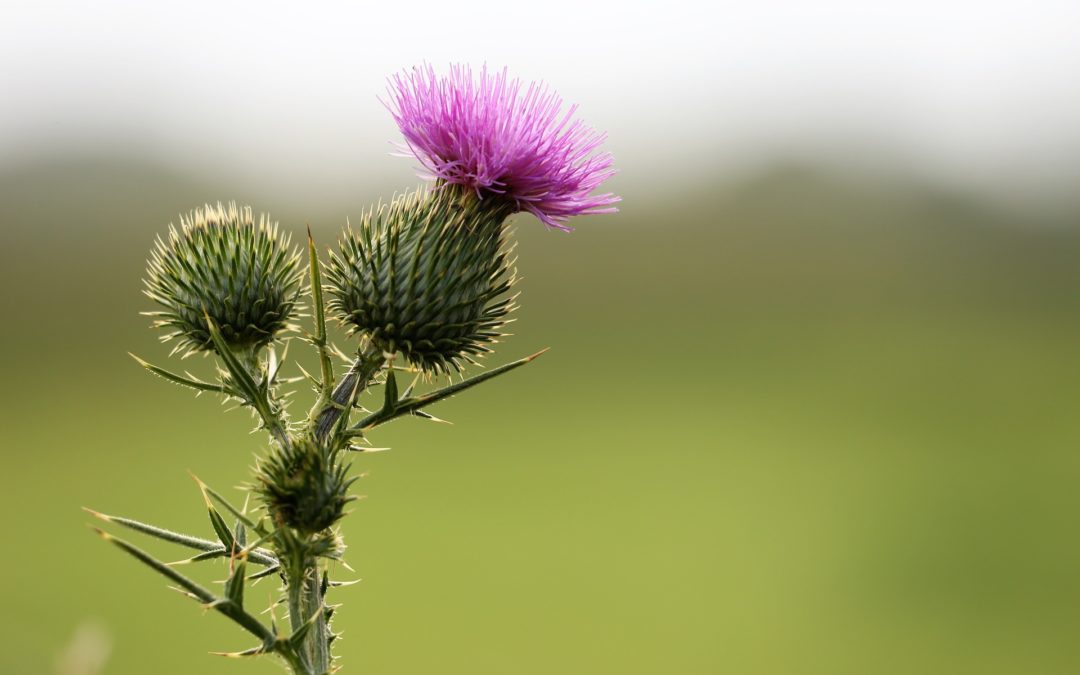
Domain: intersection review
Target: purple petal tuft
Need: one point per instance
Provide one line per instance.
(498, 139)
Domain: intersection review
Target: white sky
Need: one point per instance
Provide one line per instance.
(984, 94)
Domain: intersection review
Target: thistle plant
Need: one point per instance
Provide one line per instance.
(423, 286)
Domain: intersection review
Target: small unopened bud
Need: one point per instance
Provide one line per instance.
(302, 487)
(222, 264)
(425, 276)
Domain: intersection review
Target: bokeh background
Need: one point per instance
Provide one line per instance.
(811, 404)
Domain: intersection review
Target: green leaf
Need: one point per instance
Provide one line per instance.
(234, 585)
(319, 312)
(220, 527)
(260, 556)
(264, 573)
(410, 405)
(226, 607)
(190, 382)
(239, 514)
(240, 536)
(241, 378)
(159, 532)
(390, 394)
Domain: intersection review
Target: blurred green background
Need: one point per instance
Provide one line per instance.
(798, 422)
(811, 404)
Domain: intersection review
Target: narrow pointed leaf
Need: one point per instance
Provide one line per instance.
(240, 536)
(237, 614)
(412, 404)
(159, 532)
(390, 394)
(240, 376)
(265, 573)
(190, 382)
(239, 514)
(319, 312)
(220, 527)
(260, 556)
(234, 585)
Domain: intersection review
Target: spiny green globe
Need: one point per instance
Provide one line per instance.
(303, 486)
(423, 276)
(222, 264)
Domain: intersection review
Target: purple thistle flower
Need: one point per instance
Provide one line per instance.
(494, 137)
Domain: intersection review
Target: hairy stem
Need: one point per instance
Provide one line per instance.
(320, 635)
(263, 402)
(306, 606)
(296, 621)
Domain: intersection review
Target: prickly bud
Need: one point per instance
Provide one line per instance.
(221, 263)
(423, 276)
(303, 487)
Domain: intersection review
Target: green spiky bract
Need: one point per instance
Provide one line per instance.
(425, 276)
(224, 265)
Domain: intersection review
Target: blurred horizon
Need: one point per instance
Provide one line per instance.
(975, 96)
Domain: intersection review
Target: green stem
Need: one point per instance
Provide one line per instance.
(305, 602)
(296, 619)
(270, 413)
(295, 662)
(350, 386)
(319, 636)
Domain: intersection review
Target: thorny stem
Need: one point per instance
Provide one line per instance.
(295, 662)
(319, 639)
(306, 600)
(305, 593)
(297, 617)
(271, 418)
(355, 381)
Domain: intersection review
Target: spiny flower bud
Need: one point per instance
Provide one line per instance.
(422, 277)
(221, 264)
(302, 487)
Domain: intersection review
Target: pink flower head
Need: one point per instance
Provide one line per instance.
(492, 136)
